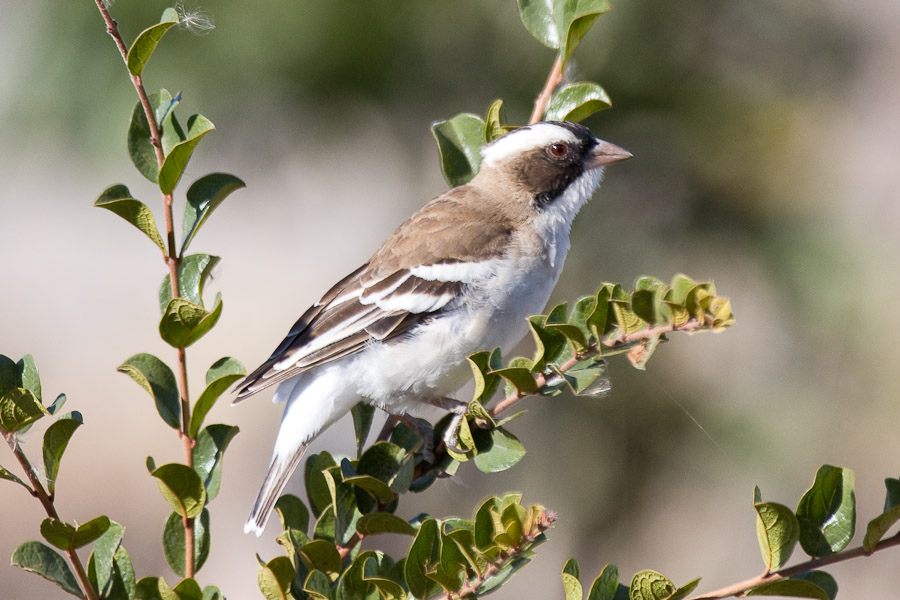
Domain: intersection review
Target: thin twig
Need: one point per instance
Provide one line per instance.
(38, 491)
(738, 589)
(543, 99)
(173, 262)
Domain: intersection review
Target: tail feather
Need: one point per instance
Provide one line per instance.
(277, 476)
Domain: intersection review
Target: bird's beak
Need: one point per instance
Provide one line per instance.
(605, 153)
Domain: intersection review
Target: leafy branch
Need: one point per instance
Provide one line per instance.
(160, 149)
(20, 407)
(823, 525)
(769, 581)
(135, 59)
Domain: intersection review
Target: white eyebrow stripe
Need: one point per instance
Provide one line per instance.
(525, 139)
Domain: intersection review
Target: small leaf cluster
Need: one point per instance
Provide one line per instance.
(356, 499)
(823, 524)
(558, 24)
(571, 346)
(645, 585)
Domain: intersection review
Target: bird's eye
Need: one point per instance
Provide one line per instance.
(559, 150)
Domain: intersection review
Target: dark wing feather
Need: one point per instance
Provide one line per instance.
(342, 324)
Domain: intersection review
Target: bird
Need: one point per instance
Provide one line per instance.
(461, 275)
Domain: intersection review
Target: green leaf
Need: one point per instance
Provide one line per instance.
(56, 439)
(182, 488)
(203, 197)
(10, 378)
(211, 592)
(154, 588)
(46, 562)
(346, 510)
(29, 376)
(419, 562)
(317, 491)
(520, 378)
(605, 585)
(459, 141)
(571, 585)
(376, 488)
(158, 380)
(778, 531)
(493, 125)
(117, 199)
(389, 463)
(90, 531)
(317, 586)
(193, 273)
(827, 512)
(145, 43)
(352, 582)
(184, 322)
(498, 450)
(382, 522)
(588, 378)
(220, 376)
(548, 344)
(794, 587)
(7, 475)
(362, 414)
(176, 160)
(685, 590)
(482, 364)
(821, 579)
(174, 542)
(208, 453)
(188, 589)
(57, 404)
(119, 583)
(58, 533)
(576, 102)
(140, 146)
(321, 555)
(292, 512)
(108, 556)
(650, 585)
(560, 24)
(880, 525)
(19, 408)
(68, 537)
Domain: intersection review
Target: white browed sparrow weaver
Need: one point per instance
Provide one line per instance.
(461, 275)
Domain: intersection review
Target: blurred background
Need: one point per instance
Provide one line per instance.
(766, 136)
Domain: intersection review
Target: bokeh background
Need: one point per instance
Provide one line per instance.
(766, 136)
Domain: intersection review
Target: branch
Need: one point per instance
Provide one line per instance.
(38, 491)
(173, 261)
(738, 589)
(543, 99)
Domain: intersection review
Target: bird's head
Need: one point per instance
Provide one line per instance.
(544, 160)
